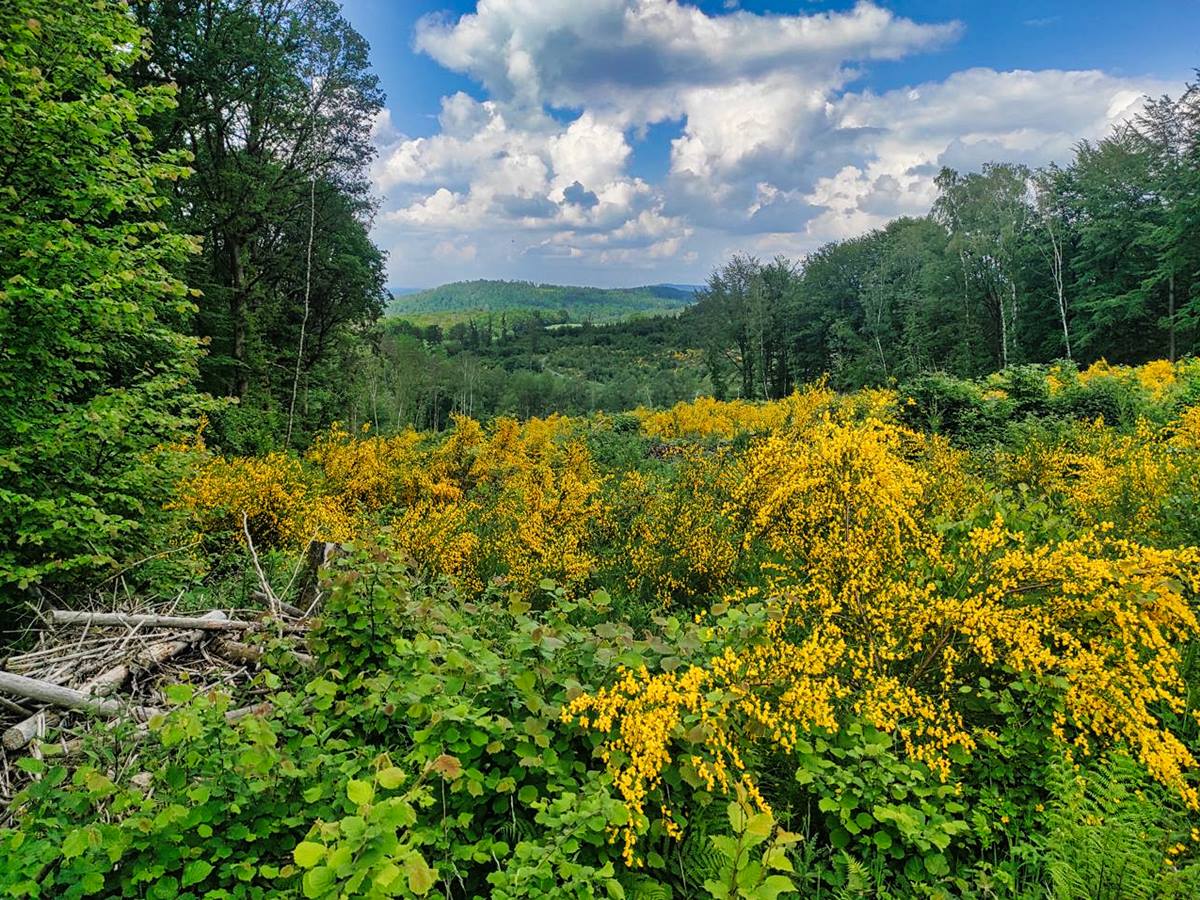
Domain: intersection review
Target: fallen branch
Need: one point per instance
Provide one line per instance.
(250, 655)
(129, 620)
(57, 695)
(272, 600)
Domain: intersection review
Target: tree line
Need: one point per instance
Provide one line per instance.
(1098, 258)
(1095, 258)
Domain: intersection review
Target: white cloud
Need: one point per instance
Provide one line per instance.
(776, 151)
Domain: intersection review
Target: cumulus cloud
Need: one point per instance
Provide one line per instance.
(776, 150)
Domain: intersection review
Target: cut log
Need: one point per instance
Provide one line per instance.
(57, 695)
(105, 683)
(70, 617)
(318, 556)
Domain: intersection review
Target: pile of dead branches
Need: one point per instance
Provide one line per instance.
(89, 667)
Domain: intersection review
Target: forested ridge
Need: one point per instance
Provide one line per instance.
(481, 301)
(870, 574)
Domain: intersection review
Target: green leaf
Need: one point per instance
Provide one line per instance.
(777, 858)
(179, 693)
(359, 792)
(773, 886)
(91, 883)
(737, 817)
(307, 854)
(935, 864)
(75, 843)
(760, 825)
(318, 881)
(195, 872)
(420, 877)
(390, 778)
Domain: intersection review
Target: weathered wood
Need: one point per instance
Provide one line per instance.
(70, 617)
(57, 695)
(236, 651)
(318, 556)
(250, 655)
(105, 683)
(294, 611)
(29, 728)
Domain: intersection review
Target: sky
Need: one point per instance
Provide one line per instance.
(628, 142)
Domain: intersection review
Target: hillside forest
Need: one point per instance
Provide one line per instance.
(870, 574)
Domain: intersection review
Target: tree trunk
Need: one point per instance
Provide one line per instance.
(63, 696)
(1056, 269)
(1012, 284)
(238, 313)
(1003, 332)
(1171, 313)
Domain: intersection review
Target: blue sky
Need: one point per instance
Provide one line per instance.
(621, 142)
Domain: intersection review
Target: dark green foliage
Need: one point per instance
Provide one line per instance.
(960, 409)
(1102, 840)
(276, 102)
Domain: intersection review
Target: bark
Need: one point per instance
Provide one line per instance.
(1171, 313)
(57, 695)
(250, 655)
(238, 307)
(70, 617)
(1056, 271)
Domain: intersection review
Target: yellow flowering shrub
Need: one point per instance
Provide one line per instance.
(279, 499)
(678, 544)
(726, 419)
(439, 538)
(872, 615)
(541, 523)
(368, 473)
(1158, 378)
(1122, 478)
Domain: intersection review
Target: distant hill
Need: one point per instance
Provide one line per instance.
(464, 300)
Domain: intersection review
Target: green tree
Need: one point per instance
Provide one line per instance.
(987, 214)
(276, 105)
(94, 370)
(1115, 269)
